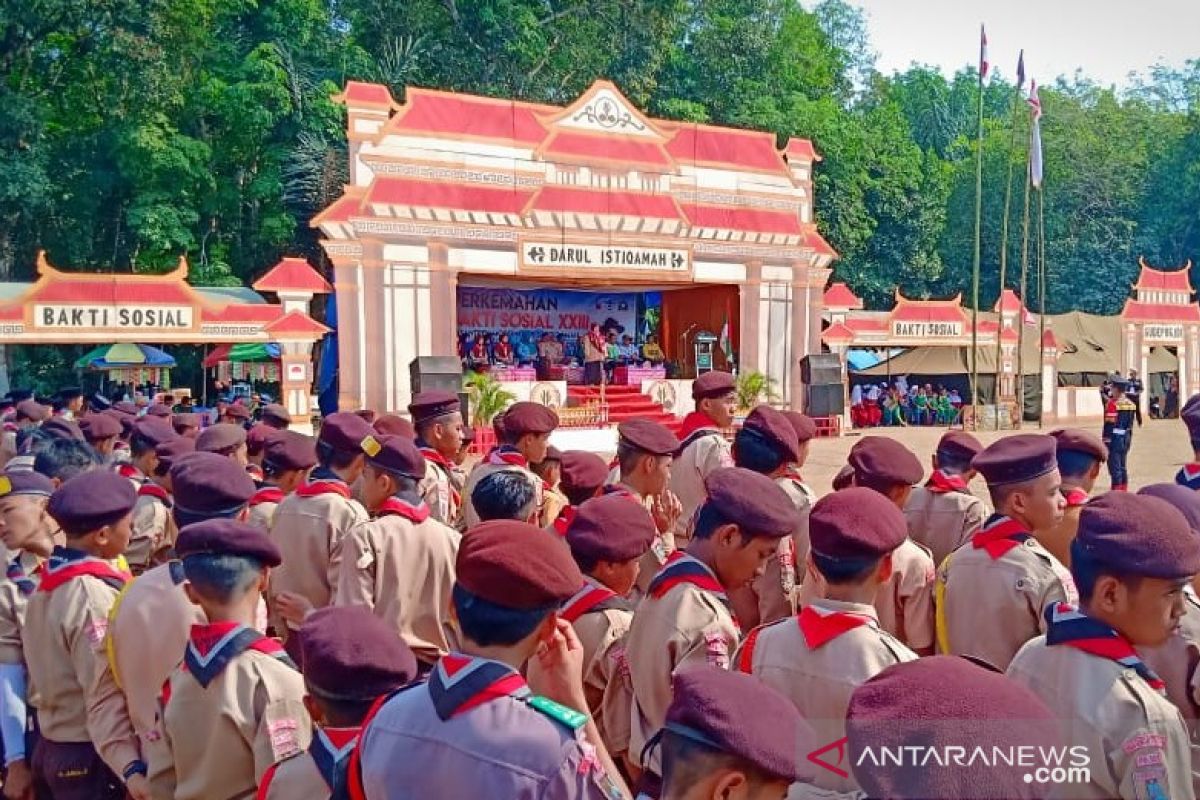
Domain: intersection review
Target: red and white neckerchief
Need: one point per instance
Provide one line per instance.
(564, 520)
(507, 455)
(267, 494)
(820, 625)
(212, 647)
(66, 564)
(1076, 497)
(941, 482)
(415, 513)
(1070, 626)
(695, 425)
(1189, 476)
(447, 469)
(999, 535)
(459, 683)
(131, 472)
(152, 489)
(329, 748)
(589, 596)
(313, 488)
(681, 568)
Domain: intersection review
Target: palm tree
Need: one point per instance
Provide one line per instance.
(488, 397)
(753, 386)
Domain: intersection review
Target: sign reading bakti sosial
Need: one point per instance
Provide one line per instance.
(926, 330)
(82, 316)
(557, 255)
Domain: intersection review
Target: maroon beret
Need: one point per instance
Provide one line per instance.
(1015, 459)
(289, 450)
(170, 452)
(1140, 535)
(1190, 414)
(344, 431)
(741, 716)
(237, 411)
(1079, 441)
(276, 416)
(29, 483)
(713, 384)
(856, 523)
(394, 425)
(220, 437)
(182, 422)
(367, 414)
(203, 483)
(1185, 499)
(648, 436)
(773, 427)
(91, 500)
(159, 410)
(395, 454)
(525, 417)
(350, 654)
(803, 425)
(433, 404)
(98, 427)
(128, 426)
(32, 410)
(125, 407)
(882, 459)
(516, 565)
(844, 478)
(939, 702)
(582, 472)
(155, 430)
(62, 428)
(227, 537)
(753, 502)
(552, 454)
(613, 527)
(960, 445)
(257, 437)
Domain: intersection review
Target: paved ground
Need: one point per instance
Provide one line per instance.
(1160, 448)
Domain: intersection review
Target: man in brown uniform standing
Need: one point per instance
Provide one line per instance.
(686, 617)
(287, 458)
(992, 591)
(437, 418)
(817, 659)
(401, 563)
(582, 477)
(703, 448)
(1079, 455)
(527, 428)
(153, 528)
(943, 514)
(645, 451)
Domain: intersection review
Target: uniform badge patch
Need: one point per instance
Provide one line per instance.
(716, 650)
(284, 735)
(95, 631)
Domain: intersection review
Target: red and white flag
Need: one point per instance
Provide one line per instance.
(1035, 137)
(983, 54)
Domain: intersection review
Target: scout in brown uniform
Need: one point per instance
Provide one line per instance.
(645, 450)
(309, 524)
(526, 428)
(703, 448)
(287, 458)
(800, 492)
(149, 624)
(186, 425)
(256, 442)
(29, 536)
(225, 440)
(943, 515)
(235, 706)
(153, 528)
(234, 414)
(351, 658)
(1131, 559)
(905, 602)
(767, 444)
(401, 563)
(582, 477)
(437, 419)
(607, 536)
(991, 592)
(101, 432)
(146, 434)
(64, 631)
(835, 644)
(933, 706)
(685, 618)
(275, 416)
(550, 470)
(1079, 455)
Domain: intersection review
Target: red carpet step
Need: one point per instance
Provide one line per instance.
(624, 402)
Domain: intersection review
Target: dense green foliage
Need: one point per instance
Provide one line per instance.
(134, 130)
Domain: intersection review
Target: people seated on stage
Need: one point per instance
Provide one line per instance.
(652, 351)
(629, 351)
(502, 353)
(526, 350)
(612, 354)
(594, 348)
(477, 359)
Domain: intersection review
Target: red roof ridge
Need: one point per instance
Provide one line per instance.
(363, 93)
(338, 210)
(951, 301)
(295, 324)
(802, 146)
(838, 332)
(1167, 280)
(1003, 301)
(292, 274)
(589, 94)
(173, 281)
(470, 96)
(839, 295)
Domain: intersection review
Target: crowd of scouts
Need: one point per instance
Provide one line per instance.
(238, 610)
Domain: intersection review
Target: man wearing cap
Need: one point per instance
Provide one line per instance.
(992, 591)
(226, 440)
(68, 402)
(287, 458)
(1119, 416)
(437, 420)
(29, 536)
(256, 441)
(275, 416)
(476, 728)
(186, 424)
(310, 523)
(101, 431)
(1189, 474)
(153, 529)
(686, 617)
(235, 706)
(235, 414)
(905, 601)
(607, 536)
(351, 658)
(1131, 559)
(582, 477)
(549, 469)
(526, 427)
(65, 623)
(835, 643)
(401, 563)
(148, 627)
(712, 750)
(702, 448)
(146, 434)
(943, 514)
(1079, 455)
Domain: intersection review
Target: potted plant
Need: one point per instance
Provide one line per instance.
(488, 397)
(753, 387)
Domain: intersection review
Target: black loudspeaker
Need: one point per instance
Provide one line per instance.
(821, 368)
(464, 404)
(824, 399)
(435, 372)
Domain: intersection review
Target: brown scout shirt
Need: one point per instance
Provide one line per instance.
(1175, 661)
(481, 471)
(1136, 739)
(943, 521)
(262, 506)
(403, 571)
(299, 777)
(153, 528)
(438, 491)
(818, 669)
(694, 463)
(13, 602)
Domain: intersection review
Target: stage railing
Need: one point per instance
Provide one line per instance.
(589, 415)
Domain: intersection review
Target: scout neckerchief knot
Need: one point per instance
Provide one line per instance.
(1189, 476)
(211, 647)
(443, 463)
(695, 425)
(460, 683)
(590, 597)
(682, 568)
(822, 625)
(329, 748)
(150, 489)
(1076, 498)
(324, 481)
(1070, 626)
(508, 455)
(267, 494)
(26, 583)
(66, 564)
(412, 509)
(941, 482)
(999, 535)
(564, 520)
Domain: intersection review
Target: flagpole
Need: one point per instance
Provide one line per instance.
(978, 222)
(1041, 257)
(1012, 163)
(1021, 312)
